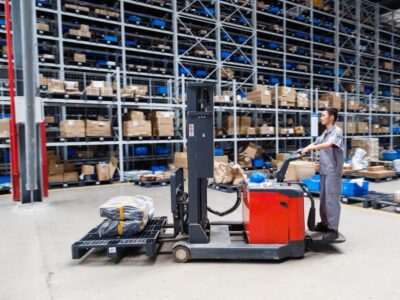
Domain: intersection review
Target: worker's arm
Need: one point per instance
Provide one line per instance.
(318, 147)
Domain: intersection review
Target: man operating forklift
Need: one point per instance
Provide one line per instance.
(330, 145)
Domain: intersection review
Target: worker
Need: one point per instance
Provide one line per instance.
(330, 145)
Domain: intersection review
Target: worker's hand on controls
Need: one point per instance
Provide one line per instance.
(299, 151)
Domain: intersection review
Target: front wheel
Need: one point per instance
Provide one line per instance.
(181, 254)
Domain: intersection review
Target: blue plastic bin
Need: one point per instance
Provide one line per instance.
(273, 9)
(327, 40)
(160, 150)
(396, 130)
(386, 93)
(258, 163)
(316, 21)
(389, 155)
(241, 39)
(135, 19)
(273, 46)
(110, 38)
(206, 11)
(317, 38)
(7, 156)
(201, 73)
(161, 90)
(158, 23)
(288, 81)
(5, 179)
(301, 35)
(158, 168)
(353, 189)
(301, 18)
(398, 153)
(184, 70)
(225, 54)
(313, 184)
(273, 80)
(141, 150)
(131, 43)
(218, 151)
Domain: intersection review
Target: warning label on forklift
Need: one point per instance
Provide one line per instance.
(191, 129)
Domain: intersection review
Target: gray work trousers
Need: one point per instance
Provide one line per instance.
(329, 208)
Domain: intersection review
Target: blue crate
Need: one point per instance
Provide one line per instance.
(389, 155)
(140, 150)
(313, 184)
(316, 21)
(298, 85)
(349, 60)
(260, 44)
(273, 9)
(102, 62)
(327, 25)
(341, 71)
(5, 179)
(241, 39)
(301, 35)
(2, 22)
(398, 152)
(7, 156)
(71, 152)
(288, 81)
(268, 164)
(327, 40)
(368, 90)
(301, 51)
(273, 80)
(201, 73)
(110, 38)
(243, 21)
(158, 23)
(328, 72)
(131, 43)
(225, 37)
(290, 66)
(218, 151)
(386, 93)
(317, 38)
(206, 11)
(225, 54)
(162, 90)
(182, 50)
(242, 59)
(301, 18)
(348, 30)
(135, 19)
(158, 168)
(396, 130)
(273, 46)
(258, 163)
(161, 150)
(5, 116)
(185, 70)
(353, 189)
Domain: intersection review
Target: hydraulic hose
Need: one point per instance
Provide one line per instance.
(230, 210)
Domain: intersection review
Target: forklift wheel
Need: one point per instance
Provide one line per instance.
(181, 254)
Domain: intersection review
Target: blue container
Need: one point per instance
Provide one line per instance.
(398, 153)
(273, 80)
(5, 179)
(110, 38)
(327, 72)
(242, 59)
(218, 151)
(353, 189)
(257, 177)
(301, 18)
(273, 46)
(288, 82)
(268, 164)
(225, 37)
(2, 22)
(273, 9)
(301, 35)
(184, 70)
(313, 184)
(327, 40)
(131, 43)
(160, 150)
(328, 25)
(298, 84)
(317, 38)
(368, 90)
(7, 156)
(241, 39)
(5, 116)
(386, 93)
(158, 168)
(396, 130)
(141, 150)
(348, 30)
(206, 11)
(243, 21)
(290, 66)
(389, 155)
(71, 152)
(135, 19)
(301, 51)
(258, 163)
(341, 71)
(158, 23)
(201, 73)
(225, 54)
(161, 90)
(316, 21)
(102, 62)
(182, 50)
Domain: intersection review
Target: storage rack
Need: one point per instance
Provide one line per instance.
(341, 47)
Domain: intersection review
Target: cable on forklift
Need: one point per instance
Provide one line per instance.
(230, 210)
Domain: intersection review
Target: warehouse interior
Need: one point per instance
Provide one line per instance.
(182, 107)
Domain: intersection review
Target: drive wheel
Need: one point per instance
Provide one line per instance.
(181, 254)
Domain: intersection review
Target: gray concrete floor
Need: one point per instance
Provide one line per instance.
(35, 257)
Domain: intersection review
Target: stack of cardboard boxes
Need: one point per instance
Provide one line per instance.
(136, 125)
(265, 130)
(41, 26)
(370, 145)
(4, 128)
(162, 123)
(98, 88)
(134, 91)
(79, 58)
(243, 124)
(100, 128)
(60, 172)
(330, 100)
(106, 13)
(55, 86)
(72, 128)
(286, 96)
(83, 31)
(260, 95)
(302, 100)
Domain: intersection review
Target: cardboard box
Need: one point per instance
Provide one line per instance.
(323, 104)
(85, 154)
(180, 160)
(387, 65)
(43, 81)
(106, 91)
(223, 158)
(55, 86)
(87, 170)
(248, 130)
(376, 168)
(351, 127)
(134, 90)
(77, 7)
(162, 126)
(260, 95)
(49, 119)
(299, 130)
(55, 168)
(266, 130)
(134, 115)
(42, 26)
(302, 100)
(282, 156)
(362, 127)
(71, 87)
(227, 73)
(251, 151)
(329, 55)
(228, 124)
(137, 128)
(334, 99)
(299, 170)
(353, 105)
(161, 114)
(4, 128)
(92, 91)
(283, 131)
(103, 172)
(56, 178)
(71, 176)
(98, 128)
(80, 57)
(72, 128)
(286, 96)
(69, 167)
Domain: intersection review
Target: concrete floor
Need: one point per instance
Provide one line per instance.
(35, 257)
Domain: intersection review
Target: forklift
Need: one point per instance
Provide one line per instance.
(273, 225)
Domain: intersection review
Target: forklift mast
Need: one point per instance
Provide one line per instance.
(200, 152)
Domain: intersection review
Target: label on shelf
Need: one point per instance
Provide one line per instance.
(191, 129)
(314, 125)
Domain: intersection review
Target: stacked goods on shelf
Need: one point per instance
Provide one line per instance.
(77, 7)
(302, 100)
(162, 123)
(286, 131)
(43, 81)
(41, 26)
(386, 65)
(60, 172)
(222, 99)
(351, 127)
(286, 96)
(362, 127)
(72, 129)
(227, 73)
(105, 171)
(260, 95)
(265, 130)
(83, 31)
(4, 128)
(353, 104)
(377, 128)
(226, 173)
(387, 106)
(369, 145)
(106, 13)
(136, 125)
(299, 130)
(157, 176)
(134, 91)
(50, 119)
(245, 126)
(351, 87)
(330, 100)
(79, 58)
(100, 128)
(71, 87)
(98, 88)
(55, 86)
(246, 157)
(87, 170)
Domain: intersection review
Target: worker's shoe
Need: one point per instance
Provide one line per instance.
(321, 227)
(331, 235)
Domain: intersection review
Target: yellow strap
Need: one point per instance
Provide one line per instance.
(120, 227)
(121, 213)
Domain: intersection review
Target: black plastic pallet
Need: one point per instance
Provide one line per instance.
(227, 188)
(150, 184)
(115, 247)
(57, 185)
(385, 201)
(383, 179)
(366, 200)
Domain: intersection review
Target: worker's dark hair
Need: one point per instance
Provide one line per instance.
(332, 112)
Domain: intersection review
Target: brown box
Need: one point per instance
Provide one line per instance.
(55, 168)
(71, 176)
(92, 91)
(286, 96)
(77, 7)
(248, 130)
(42, 26)
(223, 158)
(299, 170)
(376, 168)
(323, 104)
(227, 124)
(80, 57)
(87, 170)
(353, 105)
(334, 99)
(376, 128)
(98, 128)
(180, 160)
(106, 91)
(362, 127)
(49, 119)
(55, 86)
(137, 128)
(302, 100)
(351, 127)
(4, 128)
(71, 87)
(72, 128)
(266, 130)
(103, 172)
(251, 151)
(85, 154)
(329, 55)
(299, 130)
(69, 167)
(261, 95)
(135, 90)
(161, 114)
(387, 65)
(283, 131)
(134, 115)
(55, 178)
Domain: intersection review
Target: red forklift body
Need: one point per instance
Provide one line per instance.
(273, 215)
